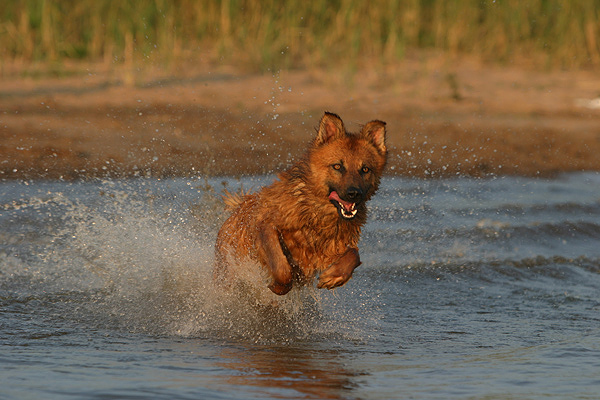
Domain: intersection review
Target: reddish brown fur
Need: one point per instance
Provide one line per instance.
(292, 227)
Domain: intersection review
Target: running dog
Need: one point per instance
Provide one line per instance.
(308, 222)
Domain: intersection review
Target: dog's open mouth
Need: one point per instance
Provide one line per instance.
(347, 210)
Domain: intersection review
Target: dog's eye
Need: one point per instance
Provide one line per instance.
(365, 169)
(337, 167)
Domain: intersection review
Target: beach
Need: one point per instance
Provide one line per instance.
(445, 117)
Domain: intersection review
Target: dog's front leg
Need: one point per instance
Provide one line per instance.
(271, 254)
(340, 271)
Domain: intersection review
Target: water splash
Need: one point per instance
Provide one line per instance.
(138, 256)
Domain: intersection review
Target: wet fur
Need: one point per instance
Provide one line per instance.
(295, 228)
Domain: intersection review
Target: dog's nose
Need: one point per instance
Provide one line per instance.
(354, 193)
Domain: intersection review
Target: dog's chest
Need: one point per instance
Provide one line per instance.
(312, 252)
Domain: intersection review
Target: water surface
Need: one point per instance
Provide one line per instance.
(469, 288)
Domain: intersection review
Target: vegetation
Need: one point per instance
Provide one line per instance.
(273, 34)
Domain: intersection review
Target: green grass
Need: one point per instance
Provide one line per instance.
(274, 34)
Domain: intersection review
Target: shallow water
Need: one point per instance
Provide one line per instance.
(469, 288)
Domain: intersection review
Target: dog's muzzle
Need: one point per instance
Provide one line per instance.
(346, 209)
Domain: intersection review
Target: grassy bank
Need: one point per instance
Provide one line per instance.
(272, 34)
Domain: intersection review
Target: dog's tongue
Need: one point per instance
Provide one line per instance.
(334, 196)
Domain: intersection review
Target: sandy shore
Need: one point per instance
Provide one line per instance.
(444, 118)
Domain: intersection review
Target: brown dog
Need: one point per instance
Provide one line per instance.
(309, 219)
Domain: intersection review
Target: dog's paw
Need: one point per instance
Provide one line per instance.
(330, 281)
(280, 289)
(341, 271)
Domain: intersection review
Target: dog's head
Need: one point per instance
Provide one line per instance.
(348, 166)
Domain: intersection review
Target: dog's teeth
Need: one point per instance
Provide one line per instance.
(348, 213)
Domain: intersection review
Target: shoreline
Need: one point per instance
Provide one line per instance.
(442, 120)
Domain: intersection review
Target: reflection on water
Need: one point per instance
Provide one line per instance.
(290, 371)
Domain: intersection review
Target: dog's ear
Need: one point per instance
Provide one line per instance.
(331, 127)
(375, 132)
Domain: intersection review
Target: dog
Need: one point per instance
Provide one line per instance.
(308, 221)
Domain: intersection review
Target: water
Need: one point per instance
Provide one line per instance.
(469, 288)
